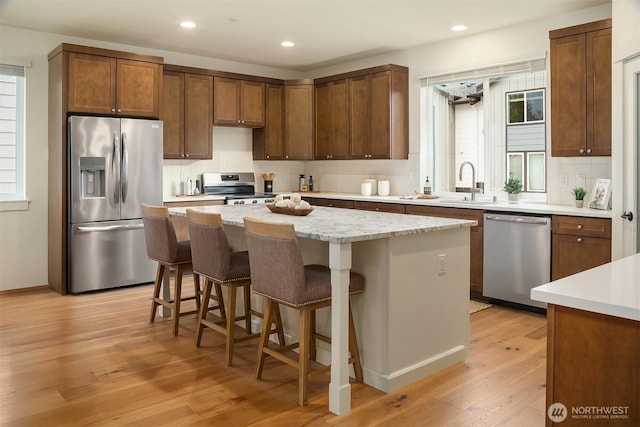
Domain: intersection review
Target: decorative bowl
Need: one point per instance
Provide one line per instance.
(288, 211)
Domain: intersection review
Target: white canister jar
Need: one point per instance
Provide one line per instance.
(383, 188)
(365, 188)
(374, 185)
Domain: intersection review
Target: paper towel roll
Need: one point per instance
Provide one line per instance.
(383, 188)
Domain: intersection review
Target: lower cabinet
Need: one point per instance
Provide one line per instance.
(332, 203)
(379, 207)
(578, 244)
(476, 239)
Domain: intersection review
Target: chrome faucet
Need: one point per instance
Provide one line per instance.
(473, 178)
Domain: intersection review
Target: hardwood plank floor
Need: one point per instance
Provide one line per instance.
(96, 360)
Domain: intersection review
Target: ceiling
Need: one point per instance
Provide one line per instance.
(326, 32)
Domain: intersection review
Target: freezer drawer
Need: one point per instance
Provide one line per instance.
(108, 254)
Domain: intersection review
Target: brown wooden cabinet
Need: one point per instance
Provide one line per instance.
(331, 203)
(298, 120)
(332, 120)
(187, 115)
(581, 90)
(238, 102)
(476, 238)
(110, 85)
(578, 244)
(379, 206)
(592, 361)
(268, 141)
(379, 115)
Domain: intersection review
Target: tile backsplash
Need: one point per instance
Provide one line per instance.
(232, 152)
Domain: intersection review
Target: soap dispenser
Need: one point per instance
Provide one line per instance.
(301, 183)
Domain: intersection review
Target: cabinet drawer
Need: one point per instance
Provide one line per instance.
(379, 207)
(581, 226)
(333, 203)
(442, 212)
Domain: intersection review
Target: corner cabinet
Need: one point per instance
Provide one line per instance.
(101, 84)
(238, 103)
(581, 90)
(578, 244)
(332, 120)
(188, 115)
(379, 115)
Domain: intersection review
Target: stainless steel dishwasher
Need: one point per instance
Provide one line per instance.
(517, 256)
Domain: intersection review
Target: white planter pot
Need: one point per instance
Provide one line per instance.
(513, 197)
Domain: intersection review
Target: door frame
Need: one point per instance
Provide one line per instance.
(625, 155)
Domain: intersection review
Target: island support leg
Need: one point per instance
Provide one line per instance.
(339, 388)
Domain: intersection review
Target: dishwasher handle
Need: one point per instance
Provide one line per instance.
(518, 220)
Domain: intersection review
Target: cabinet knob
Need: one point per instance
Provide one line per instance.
(579, 226)
(330, 205)
(113, 110)
(588, 150)
(579, 240)
(186, 155)
(582, 151)
(286, 157)
(377, 209)
(267, 157)
(119, 110)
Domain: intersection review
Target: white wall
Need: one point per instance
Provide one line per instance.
(23, 235)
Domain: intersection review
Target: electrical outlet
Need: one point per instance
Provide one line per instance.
(565, 180)
(580, 180)
(442, 263)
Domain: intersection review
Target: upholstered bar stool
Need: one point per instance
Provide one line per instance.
(215, 261)
(163, 247)
(278, 274)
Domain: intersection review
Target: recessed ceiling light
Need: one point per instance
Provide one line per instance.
(458, 28)
(188, 24)
(287, 44)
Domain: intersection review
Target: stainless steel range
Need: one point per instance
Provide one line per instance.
(237, 187)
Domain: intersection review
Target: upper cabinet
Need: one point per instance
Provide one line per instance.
(188, 115)
(238, 103)
(268, 141)
(332, 120)
(103, 84)
(581, 90)
(298, 120)
(379, 114)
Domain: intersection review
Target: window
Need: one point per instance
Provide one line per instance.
(525, 107)
(526, 138)
(12, 134)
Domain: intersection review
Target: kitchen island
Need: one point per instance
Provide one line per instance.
(593, 345)
(412, 320)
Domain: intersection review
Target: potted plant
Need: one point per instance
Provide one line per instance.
(579, 194)
(512, 186)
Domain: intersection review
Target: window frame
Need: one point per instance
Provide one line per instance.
(20, 137)
(525, 95)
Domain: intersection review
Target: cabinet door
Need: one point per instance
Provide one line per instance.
(138, 88)
(568, 96)
(173, 115)
(92, 84)
(225, 101)
(252, 104)
(380, 121)
(323, 125)
(598, 59)
(298, 122)
(332, 120)
(268, 141)
(573, 254)
(359, 104)
(198, 113)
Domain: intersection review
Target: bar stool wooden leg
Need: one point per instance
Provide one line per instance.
(219, 299)
(247, 308)
(303, 351)
(206, 295)
(312, 340)
(176, 298)
(156, 292)
(353, 348)
(231, 310)
(196, 289)
(267, 321)
(279, 327)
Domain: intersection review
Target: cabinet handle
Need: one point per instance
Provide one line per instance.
(330, 205)
(582, 151)
(588, 150)
(377, 209)
(579, 226)
(579, 240)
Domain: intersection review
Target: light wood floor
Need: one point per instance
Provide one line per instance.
(96, 360)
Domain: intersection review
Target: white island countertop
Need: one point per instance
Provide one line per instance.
(337, 225)
(612, 289)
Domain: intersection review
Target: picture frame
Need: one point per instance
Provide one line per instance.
(601, 194)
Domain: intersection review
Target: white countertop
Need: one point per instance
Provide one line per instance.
(612, 289)
(336, 225)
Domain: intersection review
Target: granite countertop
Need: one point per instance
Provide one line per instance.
(187, 198)
(337, 225)
(612, 289)
(457, 201)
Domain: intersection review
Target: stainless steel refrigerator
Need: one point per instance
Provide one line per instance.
(114, 165)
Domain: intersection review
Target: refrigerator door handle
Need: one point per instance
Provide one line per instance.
(110, 228)
(115, 167)
(125, 168)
